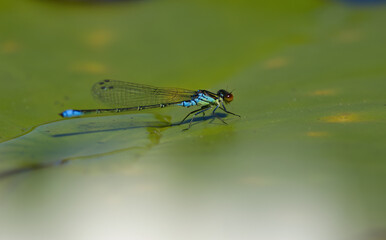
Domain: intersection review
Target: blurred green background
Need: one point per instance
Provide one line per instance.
(305, 161)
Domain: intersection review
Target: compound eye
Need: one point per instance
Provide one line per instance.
(228, 98)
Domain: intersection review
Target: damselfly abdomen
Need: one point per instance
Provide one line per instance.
(126, 96)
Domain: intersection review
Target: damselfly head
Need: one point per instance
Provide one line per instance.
(227, 96)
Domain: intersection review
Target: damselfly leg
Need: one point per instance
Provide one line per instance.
(196, 112)
(214, 114)
(225, 110)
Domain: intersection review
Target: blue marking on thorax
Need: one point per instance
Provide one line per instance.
(71, 113)
(200, 99)
(187, 103)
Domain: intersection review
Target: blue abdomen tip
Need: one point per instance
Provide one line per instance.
(71, 113)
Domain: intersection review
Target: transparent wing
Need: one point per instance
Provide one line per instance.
(126, 94)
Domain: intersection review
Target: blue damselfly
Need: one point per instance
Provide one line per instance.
(127, 96)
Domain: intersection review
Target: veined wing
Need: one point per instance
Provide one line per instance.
(127, 94)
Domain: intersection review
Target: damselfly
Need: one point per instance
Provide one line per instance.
(126, 96)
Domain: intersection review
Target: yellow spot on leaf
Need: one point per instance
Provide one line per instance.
(100, 38)
(132, 171)
(10, 47)
(343, 118)
(317, 134)
(276, 63)
(348, 36)
(145, 187)
(325, 92)
(254, 181)
(90, 67)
